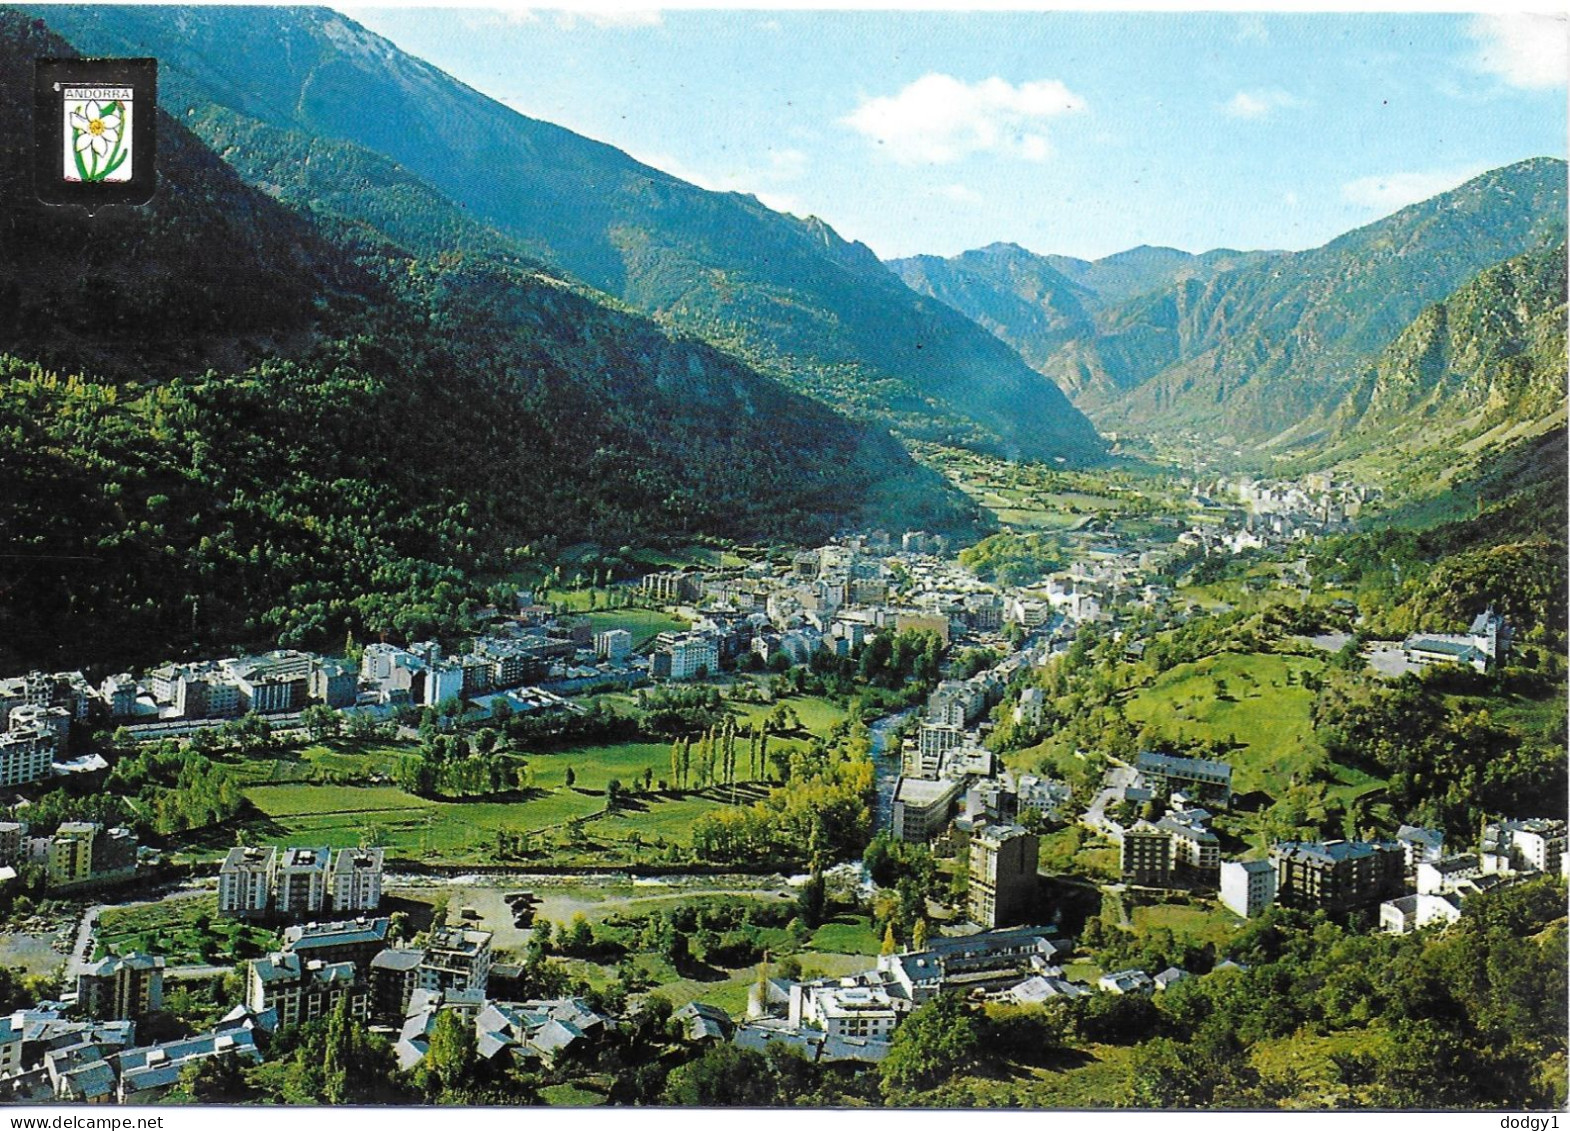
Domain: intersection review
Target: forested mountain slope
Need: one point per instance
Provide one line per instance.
(788, 294)
(224, 421)
(1252, 348)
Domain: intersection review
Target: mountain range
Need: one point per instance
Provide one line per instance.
(337, 375)
(240, 414)
(788, 295)
(1259, 348)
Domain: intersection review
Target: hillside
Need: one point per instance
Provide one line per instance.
(1494, 350)
(1047, 307)
(787, 294)
(1251, 348)
(1263, 352)
(299, 427)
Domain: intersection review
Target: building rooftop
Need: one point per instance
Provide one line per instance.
(1172, 763)
(313, 935)
(920, 791)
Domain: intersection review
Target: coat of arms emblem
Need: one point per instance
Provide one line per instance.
(94, 136)
(98, 136)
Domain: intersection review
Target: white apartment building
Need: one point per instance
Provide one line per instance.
(356, 879)
(1248, 886)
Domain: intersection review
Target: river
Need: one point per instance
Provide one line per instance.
(888, 766)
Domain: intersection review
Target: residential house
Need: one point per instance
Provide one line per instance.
(705, 1022)
(1410, 912)
(147, 1073)
(1127, 982)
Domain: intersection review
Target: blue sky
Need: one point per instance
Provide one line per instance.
(1078, 133)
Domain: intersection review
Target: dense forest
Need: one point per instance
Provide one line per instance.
(319, 430)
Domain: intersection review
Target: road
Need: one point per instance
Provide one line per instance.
(82, 949)
(1118, 777)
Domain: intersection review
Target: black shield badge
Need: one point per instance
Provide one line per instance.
(95, 131)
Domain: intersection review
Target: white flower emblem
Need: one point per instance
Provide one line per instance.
(97, 132)
(98, 128)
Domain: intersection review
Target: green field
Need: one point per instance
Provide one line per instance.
(336, 794)
(186, 932)
(464, 831)
(1255, 701)
(644, 624)
(1191, 924)
(816, 715)
(847, 934)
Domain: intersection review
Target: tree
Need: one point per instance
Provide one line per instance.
(890, 943)
(724, 1076)
(449, 1057)
(214, 1079)
(321, 722)
(918, 935)
(569, 777)
(938, 1041)
(578, 938)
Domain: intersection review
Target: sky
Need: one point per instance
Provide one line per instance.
(1078, 133)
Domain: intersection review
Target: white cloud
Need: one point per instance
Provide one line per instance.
(939, 119)
(1525, 49)
(1290, 199)
(1259, 103)
(960, 194)
(609, 17)
(1396, 190)
(787, 164)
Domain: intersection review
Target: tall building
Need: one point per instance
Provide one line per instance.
(456, 959)
(120, 988)
(395, 974)
(1536, 844)
(71, 853)
(300, 881)
(356, 880)
(245, 881)
(12, 836)
(1003, 863)
(923, 808)
(26, 755)
(1338, 874)
(304, 989)
(613, 644)
(1146, 855)
(1248, 887)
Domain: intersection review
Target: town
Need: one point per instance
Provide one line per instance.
(972, 906)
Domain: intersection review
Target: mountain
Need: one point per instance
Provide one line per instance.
(1492, 352)
(229, 418)
(1260, 348)
(787, 294)
(1046, 307)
